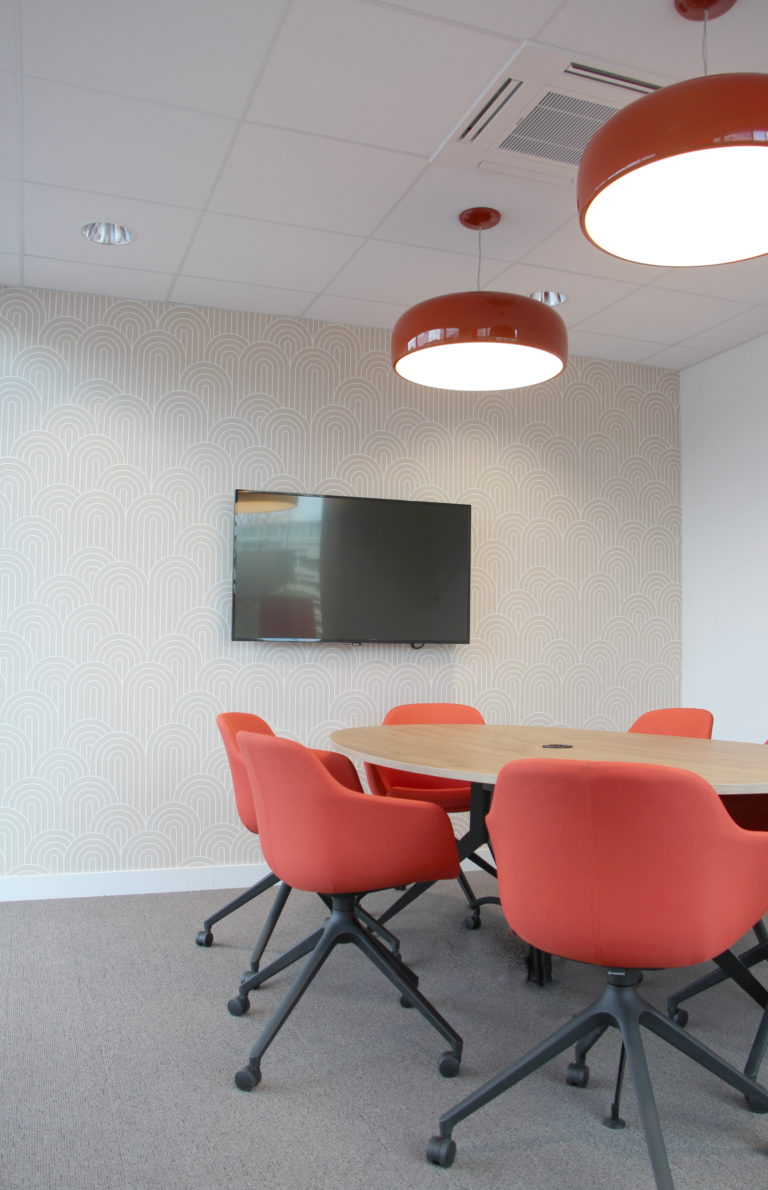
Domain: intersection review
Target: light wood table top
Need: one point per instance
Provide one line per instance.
(476, 753)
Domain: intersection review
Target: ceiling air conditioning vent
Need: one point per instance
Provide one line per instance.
(490, 110)
(610, 79)
(558, 128)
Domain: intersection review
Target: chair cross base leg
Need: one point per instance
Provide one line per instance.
(622, 1007)
(345, 926)
(204, 937)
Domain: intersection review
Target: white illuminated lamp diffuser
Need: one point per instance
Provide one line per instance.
(680, 176)
(479, 341)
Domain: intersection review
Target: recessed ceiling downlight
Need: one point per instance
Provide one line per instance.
(107, 233)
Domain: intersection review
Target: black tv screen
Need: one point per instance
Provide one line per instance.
(344, 568)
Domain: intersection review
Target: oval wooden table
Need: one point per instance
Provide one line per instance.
(476, 753)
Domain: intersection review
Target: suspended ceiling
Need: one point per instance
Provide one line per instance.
(303, 157)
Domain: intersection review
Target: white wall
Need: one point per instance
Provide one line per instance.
(724, 409)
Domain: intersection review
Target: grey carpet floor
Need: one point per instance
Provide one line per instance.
(117, 1059)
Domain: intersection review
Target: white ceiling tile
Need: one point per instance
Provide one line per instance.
(230, 295)
(404, 275)
(40, 273)
(9, 269)
(522, 19)
(228, 248)
(745, 281)
(9, 223)
(428, 216)
(586, 295)
(114, 145)
(293, 177)
(53, 218)
(9, 164)
(187, 52)
(355, 311)
(568, 248)
(7, 39)
(677, 358)
(651, 37)
(661, 315)
(376, 75)
(736, 330)
(630, 351)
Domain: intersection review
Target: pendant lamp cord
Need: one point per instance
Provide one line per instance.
(479, 253)
(704, 41)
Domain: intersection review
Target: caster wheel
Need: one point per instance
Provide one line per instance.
(577, 1075)
(246, 1079)
(449, 1066)
(404, 1001)
(756, 1107)
(204, 938)
(238, 1005)
(472, 923)
(441, 1150)
(680, 1017)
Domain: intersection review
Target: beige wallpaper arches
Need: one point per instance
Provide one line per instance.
(125, 428)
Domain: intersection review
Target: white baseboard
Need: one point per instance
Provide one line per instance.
(123, 884)
(152, 880)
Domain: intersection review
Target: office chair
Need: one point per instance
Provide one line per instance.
(319, 836)
(750, 812)
(339, 766)
(681, 721)
(626, 866)
(452, 796)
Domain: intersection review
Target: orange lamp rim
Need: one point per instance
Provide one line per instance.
(716, 111)
(479, 316)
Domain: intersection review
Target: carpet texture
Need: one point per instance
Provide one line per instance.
(118, 1055)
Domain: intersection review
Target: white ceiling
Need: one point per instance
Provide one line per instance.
(275, 156)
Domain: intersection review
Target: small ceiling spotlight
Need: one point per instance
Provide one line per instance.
(107, 233)
(549, 297)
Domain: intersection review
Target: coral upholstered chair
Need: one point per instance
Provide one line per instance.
(319, 836)
(451, 796)
(625, 866)
(683, 721)
(340, 766)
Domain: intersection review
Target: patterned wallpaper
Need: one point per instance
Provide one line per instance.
(126, 427)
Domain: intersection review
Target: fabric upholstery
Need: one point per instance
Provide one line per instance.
(682, 721)
(230, 724)
(319, 836)
(623, 864)
(453, 796)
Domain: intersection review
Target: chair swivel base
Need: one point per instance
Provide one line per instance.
(622, 1007)
(344, 926)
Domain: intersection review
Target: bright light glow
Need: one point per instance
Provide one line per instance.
(479, 367)
(707, 207)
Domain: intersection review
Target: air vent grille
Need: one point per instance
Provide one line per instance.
(559, 128)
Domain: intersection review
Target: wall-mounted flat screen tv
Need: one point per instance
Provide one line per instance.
(344, 568)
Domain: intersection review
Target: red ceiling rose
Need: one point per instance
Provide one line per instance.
(695, 10)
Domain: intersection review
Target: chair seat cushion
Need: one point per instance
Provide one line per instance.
(453, 799)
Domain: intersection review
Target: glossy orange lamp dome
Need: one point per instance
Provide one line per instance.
(479, 341)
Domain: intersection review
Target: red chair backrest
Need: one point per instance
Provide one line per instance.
(320, 836)
(229, 724)
(420, 712)
(631, 865)
(684, 721)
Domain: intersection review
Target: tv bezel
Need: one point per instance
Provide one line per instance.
(324, 640)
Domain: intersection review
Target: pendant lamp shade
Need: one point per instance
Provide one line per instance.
(680, 177)
(479, 341)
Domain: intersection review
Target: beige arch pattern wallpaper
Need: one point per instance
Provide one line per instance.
(126, 427)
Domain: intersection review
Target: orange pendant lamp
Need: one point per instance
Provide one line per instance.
(479, 341)
(680, 176)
